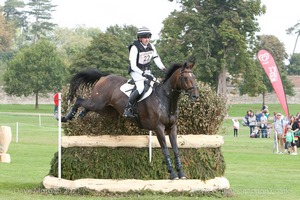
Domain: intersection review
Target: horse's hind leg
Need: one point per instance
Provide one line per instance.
(83, 113)
(72, 112)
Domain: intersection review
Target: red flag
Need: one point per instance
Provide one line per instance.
(267, 62)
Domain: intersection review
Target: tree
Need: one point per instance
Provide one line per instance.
(220, 34)
(36, 70)
(14, 13)
(6, 34)
(294, 30)
(258, 83)
(107, 52)
(126, 33)
(71, 42)
(294, 67)
(40, 10)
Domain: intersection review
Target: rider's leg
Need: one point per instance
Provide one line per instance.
(139, 82)
(131, 102)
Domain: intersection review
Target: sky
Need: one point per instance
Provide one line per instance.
(281, 14)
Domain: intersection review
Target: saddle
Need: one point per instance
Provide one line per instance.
(129, 86)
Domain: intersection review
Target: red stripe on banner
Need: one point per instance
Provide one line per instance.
(267, 62)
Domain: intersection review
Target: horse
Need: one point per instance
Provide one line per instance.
(158, 112)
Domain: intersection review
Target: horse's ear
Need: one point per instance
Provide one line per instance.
(190, 62)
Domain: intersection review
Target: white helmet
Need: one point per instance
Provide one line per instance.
(144, 32)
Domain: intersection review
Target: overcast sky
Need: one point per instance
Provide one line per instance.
(281, 14)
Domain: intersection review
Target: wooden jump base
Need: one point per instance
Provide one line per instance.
(126, 185)
(189, 185)
(183, 141)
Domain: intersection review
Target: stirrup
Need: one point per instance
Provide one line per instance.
(128, 113)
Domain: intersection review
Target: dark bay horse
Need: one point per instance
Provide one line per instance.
(158, 112)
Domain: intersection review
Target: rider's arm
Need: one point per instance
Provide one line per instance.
(133, 58)
(157, 59)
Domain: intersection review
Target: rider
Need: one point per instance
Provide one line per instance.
(141, 51)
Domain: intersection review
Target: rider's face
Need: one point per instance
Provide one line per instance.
(145, 40)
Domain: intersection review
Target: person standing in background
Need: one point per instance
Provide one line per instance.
(236, 126)
(252, 122)
(290, 140)
(263, 125)
(279, 130)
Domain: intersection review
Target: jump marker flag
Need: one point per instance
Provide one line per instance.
(267, 62)
(57, 102)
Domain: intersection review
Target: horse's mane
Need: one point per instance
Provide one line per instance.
(170, 71)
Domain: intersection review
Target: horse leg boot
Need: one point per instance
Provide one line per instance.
(173, 140)
(83, 113)
(173, 174)
(178, 165)
(70, 115)
(128, 112)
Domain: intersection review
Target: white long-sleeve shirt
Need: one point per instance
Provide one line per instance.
(133, 58)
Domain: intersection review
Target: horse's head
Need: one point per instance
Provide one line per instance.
(187, 80)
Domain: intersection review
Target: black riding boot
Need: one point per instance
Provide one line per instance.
(128, 112)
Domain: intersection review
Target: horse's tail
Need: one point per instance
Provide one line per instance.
(85, 78)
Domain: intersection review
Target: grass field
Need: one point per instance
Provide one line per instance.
(252, 169)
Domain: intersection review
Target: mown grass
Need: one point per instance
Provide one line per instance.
(24, 108)
(252, 169)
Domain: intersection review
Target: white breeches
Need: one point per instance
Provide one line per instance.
(139, 81)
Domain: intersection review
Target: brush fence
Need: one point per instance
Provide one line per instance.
(184, 141)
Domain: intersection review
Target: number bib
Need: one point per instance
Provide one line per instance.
(145, 57)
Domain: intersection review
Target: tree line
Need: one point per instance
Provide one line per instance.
(38, 57)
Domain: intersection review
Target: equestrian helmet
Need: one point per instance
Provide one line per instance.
(144, 32)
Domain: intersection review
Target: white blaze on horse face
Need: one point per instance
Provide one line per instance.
(190, 74)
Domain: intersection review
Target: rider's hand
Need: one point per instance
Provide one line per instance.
(148, 76)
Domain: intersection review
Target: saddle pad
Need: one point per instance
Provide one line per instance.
(127, 89)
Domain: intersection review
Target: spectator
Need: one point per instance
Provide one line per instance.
(266, 111)
(236, 126)
(258, 116)
(274, 116)
(263, 125)
(289, 140)
(264, 107)
(247, 117)
(279, 130)
(294, 128)
(255, 133)
(252, 122)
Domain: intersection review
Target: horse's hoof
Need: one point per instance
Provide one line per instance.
(181, 175)
(173, 176)
(63, 119)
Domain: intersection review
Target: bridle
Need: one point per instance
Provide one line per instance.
(181, 77)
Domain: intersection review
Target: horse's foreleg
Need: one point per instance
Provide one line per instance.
(173, 140)
(162, 141)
